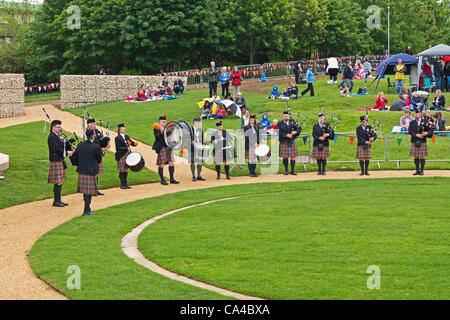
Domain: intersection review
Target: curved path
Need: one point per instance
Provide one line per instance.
(22, 225)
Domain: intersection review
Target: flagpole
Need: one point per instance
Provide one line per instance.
(389, 31)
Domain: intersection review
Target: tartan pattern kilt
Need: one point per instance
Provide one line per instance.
(100, 168)
(421, 152)
(288, 150)
(121, 164)
(56, 173)
(164, 156)
(364, 154)
(325, 153)
(87, 184)
(250, 155)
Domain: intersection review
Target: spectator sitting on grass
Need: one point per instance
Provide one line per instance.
(424, 98)
(220, 113)
(148, 94)
(405, 120)
(141, 94)
(240, 101)
(245, 119)
(416, 102)
(206, 110)
(178, 86)
(229, 97)
(292, 91)
(165, 82)
(400, 104)
(274, 94)
(405, 90)
(440, 123)
(380, 102)
(265, 122)
(439, 101)
(168, 91)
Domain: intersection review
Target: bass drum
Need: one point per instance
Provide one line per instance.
(135, 162)
(263, 152)
(178, 135)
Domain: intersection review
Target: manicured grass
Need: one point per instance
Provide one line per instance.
(26, 179)
(139, 118)
(303, 240)
(43, 97)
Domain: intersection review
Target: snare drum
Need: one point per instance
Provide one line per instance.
(263, 152)
(135, 162)
(201, 152)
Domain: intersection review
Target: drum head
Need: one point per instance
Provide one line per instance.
(133, 159)
(262, 150)
(178, 135)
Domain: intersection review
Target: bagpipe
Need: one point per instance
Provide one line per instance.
(294, 125)
(104, 140)
(330, 127)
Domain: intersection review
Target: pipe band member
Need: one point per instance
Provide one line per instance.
(196, 154)
(251, 142)
(419, 131)
(288, 132)
(91, 125)
(123, 149)
(165, 155)
(57, 153)
(88, 156)
(366, 136)
(221, 146)
(322, 133)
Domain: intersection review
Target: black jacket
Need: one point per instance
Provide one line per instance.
(438, 69)
(440, 102)
(56, 147)
(178, 83)
(159, 141)
(318, 132)
(251, 137)
(348, 73)
(414, 129)
(220, 145)
(87, 156)
(122, 146)
(285, 129)
(363, 135)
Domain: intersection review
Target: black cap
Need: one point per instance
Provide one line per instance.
(321, 115)
(90, 133)
(286, 112)
(197, 120)
(362, 118)
(253, 116)
(121, 125)
(163, 118)
(90, 121)
(218, 124)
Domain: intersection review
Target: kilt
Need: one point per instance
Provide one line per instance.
(288, 150)
(100, 168)
(250, 155)
(164, 156)
(325, 153)
(364, 154)
(87, 184)
(56, 173)
(121, 164)
(421, 152)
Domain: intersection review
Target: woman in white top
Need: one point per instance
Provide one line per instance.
(332, 69)
(245, 119)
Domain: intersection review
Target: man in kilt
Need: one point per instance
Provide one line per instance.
(366, 136)
(57, 153)
(123, 143)
(322, 133)
(91, 125)
(196, 155)
(419, 131)
(223, 150)
(288, 131)
(165, 155)
(251, 133)
(87, 157)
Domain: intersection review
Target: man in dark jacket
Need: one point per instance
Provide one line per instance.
(164, 152)
(213, 78)
(123, 143)
(91, 125)
(57, 153)
(322, 133)
(419, 132)
(178, 86)
(251, 133)
(87, 157)
(438, 73)
(366, 136)
(288, 131)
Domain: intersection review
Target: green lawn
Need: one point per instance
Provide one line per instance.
(43, 97)
(139, 118)
(276, 242)
(26, 179)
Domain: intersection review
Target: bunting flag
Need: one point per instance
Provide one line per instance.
(433, 138)
(335, 138)
(352, 139)
(382, 141)
(305, 139)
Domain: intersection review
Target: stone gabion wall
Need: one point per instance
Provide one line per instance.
(12, 95)
(79, 90)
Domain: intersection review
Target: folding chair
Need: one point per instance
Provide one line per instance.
(428, 85)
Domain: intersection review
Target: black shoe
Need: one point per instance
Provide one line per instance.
(416, 173)
(66, 204)
(367, 173)
(286, 173)
(174, 181)
(164, 182)
(199, 178)
(218, 177)
(319, 173)
(58, 204)
(88, 213)
(361, 173)
(228, 177)
(253, 175)
(94, 195)
(421, 173)
(128, 187)
(293, 173)
(123, 187)
(194, 179)
(324, 173)
(99, 193)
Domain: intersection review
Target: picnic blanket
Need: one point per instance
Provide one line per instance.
(130, 99)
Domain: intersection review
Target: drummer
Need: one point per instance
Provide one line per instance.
(123, 143)
(165, 155)
(196, 153)
(220, 144)
(251, 142)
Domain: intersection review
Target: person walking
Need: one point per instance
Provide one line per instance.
(310, 80)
